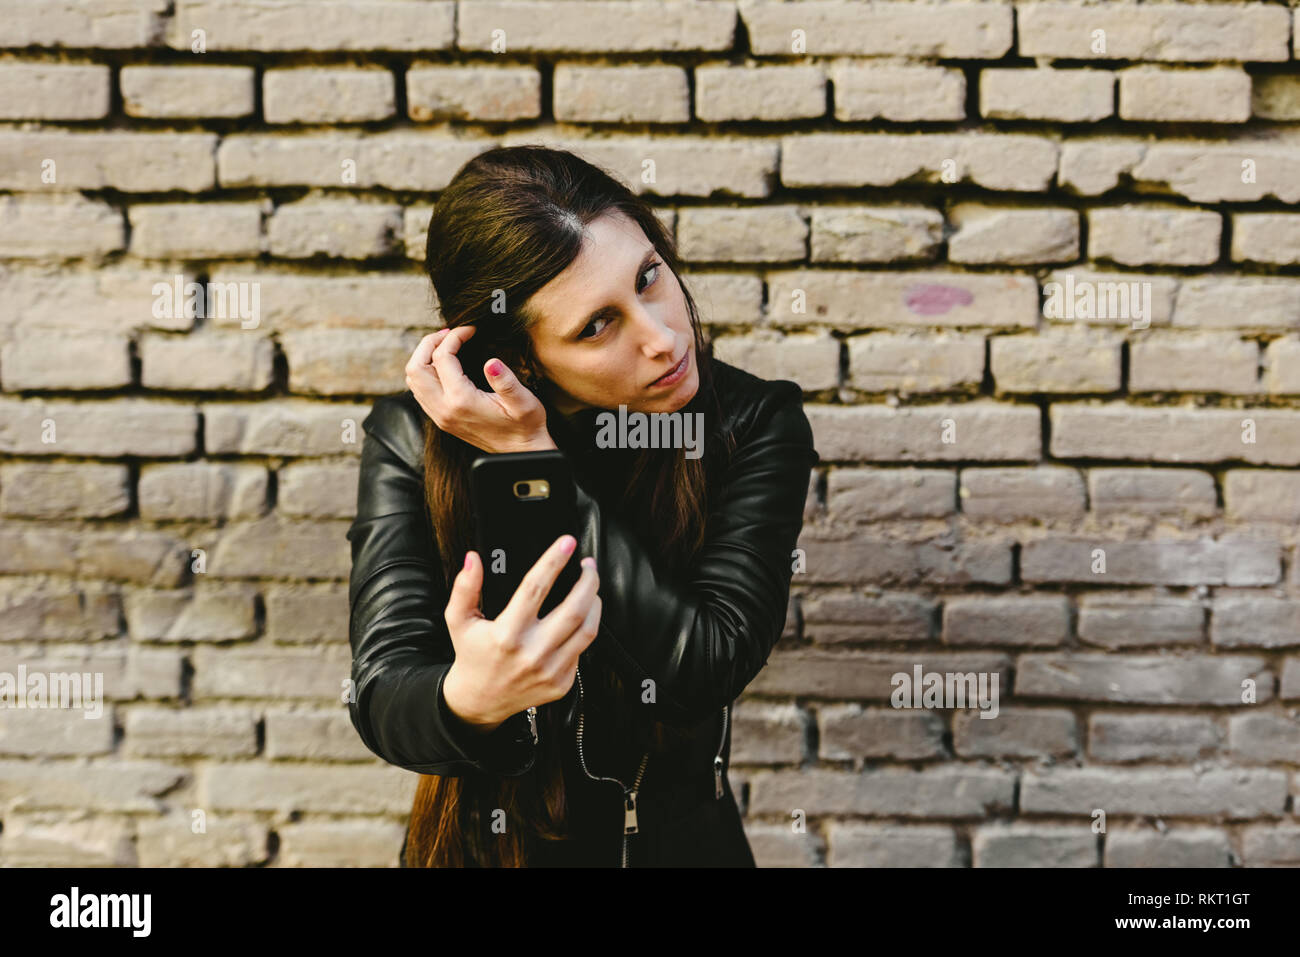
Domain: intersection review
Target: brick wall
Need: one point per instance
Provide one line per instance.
(906, 207)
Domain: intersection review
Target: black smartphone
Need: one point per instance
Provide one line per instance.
(523, 502)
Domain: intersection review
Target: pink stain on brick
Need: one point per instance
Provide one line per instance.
(931, 299)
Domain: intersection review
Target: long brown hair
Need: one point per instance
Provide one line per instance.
(510, 220)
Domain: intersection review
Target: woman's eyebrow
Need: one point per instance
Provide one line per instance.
(604, 310)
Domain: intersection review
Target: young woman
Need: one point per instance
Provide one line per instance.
(598, 735)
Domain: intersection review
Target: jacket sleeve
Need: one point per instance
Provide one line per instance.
(401, 648)
(703, 636)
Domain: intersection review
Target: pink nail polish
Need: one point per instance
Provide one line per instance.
(467, 554)
(494, 367)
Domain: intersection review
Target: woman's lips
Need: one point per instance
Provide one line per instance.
(676, 374)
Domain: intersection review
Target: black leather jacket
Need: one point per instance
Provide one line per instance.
(702, 636)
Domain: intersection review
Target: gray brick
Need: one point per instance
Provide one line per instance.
(1018, 620)
(315, 734)
(1147, 434)
(1264, 738)
(767, 733)
(875, 494)
(1043, 492)
(209, 361)
(182, 732)
(317, 490)
(932, 433)
(849, 617)
(107, 428)
(263, 671)
(854, 844)
(123, 786)
(1173, 492)
(777, 845)
(1015, 733)
(1262, 495)
(1142, 679)
(1233, 793)
(1120, 621)
(1034, 845)
(213, 230)
(849, 732)
(887, 562)
(360, 843)
(306, 614)
(1265, 845)
(942, 792)
(201, 490)
(69, 491)
(1180, 847)
(1247, 620)
(205, 613)
(865, 676)
(1117, 738)
(1201, 562)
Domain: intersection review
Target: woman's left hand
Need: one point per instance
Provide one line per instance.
(508, 419)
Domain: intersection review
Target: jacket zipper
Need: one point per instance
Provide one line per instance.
(717, 758)
(629, 794)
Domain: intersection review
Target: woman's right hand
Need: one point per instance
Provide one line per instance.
(516, 661)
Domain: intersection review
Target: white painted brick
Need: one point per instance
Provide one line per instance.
(621, 94)
(54, 91)
(473, 93)
(166, 92)
(867, 91)
(321, 95)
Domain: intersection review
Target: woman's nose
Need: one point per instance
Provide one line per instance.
(659, 337)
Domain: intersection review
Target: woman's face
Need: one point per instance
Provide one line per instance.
(613, 323)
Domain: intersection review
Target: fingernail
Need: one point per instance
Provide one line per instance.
(467, 555)
(494, 367)
(568, 544)
(589, 562)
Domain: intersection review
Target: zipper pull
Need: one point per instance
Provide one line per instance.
(717, 778)
(532, 722)
(629, 812)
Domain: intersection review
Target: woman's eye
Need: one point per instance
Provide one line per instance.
(596, 333)
(655, 266)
